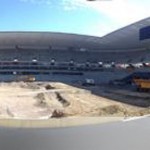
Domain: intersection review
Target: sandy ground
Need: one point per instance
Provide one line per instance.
(53, 100)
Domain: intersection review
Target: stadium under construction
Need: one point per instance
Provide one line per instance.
(73, 58)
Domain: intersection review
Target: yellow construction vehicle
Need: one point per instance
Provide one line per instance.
(142, 84)
(29, 78)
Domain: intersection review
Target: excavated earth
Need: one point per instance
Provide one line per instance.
(45, 100)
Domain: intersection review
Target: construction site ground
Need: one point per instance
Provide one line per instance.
(48, 100)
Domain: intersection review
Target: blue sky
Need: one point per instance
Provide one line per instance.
(71, 16)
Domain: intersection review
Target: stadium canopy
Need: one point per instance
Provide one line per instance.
(127, 38)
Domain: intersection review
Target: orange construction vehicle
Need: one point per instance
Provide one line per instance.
(29, 78)
(142, 84)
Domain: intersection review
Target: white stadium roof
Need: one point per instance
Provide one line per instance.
(126, 38)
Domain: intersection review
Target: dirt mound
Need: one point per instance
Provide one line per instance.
(49, 87)
(58, 114)
(62, 100)
(46, 100)
(41, 101)
(112, 110)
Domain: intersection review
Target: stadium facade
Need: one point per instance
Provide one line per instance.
(73, 58)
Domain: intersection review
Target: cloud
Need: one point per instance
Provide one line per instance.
(119, 12)
(46, 2)
(100, 29)
(123, 11)
(73, 4)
